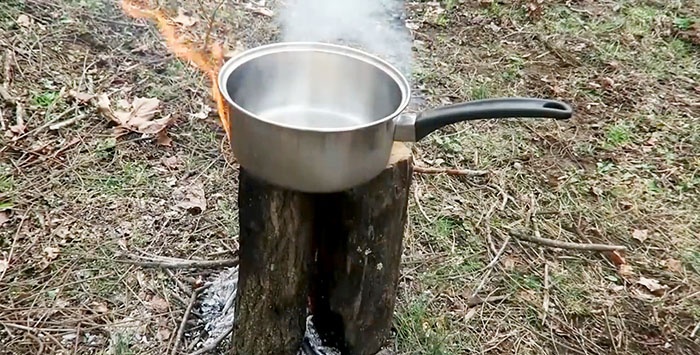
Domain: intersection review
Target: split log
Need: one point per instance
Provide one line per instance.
(339, 251)
(358, 236)
(275, 260)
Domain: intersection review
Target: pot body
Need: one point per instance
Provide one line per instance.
(312, 117)
(308, 161)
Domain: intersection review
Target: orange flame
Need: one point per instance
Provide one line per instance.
(208, 62)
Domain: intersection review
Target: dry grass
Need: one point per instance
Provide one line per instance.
(627, 162)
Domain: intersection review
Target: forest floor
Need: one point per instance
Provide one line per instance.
(624, 170)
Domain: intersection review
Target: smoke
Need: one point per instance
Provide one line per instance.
(375, 26)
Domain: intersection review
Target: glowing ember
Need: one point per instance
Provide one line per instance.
(207, 61)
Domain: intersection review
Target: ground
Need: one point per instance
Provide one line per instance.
(624, 170)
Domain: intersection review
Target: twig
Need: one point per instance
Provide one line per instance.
(179, 283)
(420, 205)
(213, 344)
(447, 171)
(476, 300)
(183, 323)
(14, 242)
(185, 264)
(210, 21)
(565, 245)
(47, 124)
(490, 267)
(545, 298)
(695, 330)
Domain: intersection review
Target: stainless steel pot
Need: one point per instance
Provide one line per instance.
(317, 117)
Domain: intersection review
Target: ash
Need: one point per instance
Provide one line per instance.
(217, 313)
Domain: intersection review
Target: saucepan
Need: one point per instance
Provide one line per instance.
(320, 118)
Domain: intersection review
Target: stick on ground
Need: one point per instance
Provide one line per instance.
(185, 264)
(565, 245)
(447, 171)
(183, 323)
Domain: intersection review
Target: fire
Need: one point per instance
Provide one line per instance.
(208, 62)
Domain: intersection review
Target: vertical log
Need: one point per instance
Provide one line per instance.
(275, 259)
(358, 237)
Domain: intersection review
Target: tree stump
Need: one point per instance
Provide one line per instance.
(339, 251)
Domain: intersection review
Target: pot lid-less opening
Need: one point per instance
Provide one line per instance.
(314, 86)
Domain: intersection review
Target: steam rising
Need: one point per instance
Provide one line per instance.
(371, 25)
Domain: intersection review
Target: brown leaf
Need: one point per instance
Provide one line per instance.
(51, 253)
(674, 265)
(640, 234)
(171, 162)
(136, 117)
(163, 334)
(103, 107)
(143, 110)
(80, 96)
(18, 129)
(617, 258)
(183, 19)
(191, 197)
(625, 270)
(3, 218)
(99, 307)
(159, 304)
(654, 287)
(162, 138)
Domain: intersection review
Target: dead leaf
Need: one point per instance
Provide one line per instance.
(624, 270)
(51, 253)
(136, 117)
(18, 129)
(191, 198)
(171, 162)
(163, 334)
(24, 20)
(183, 19)
(3, 218)
(80, 96)
(640, 234)
(159, 304)
(162, 138)
(653, 286)
(99, 307)
(4, 265)
(674, 265)
(607, 82)
(617, 258)
(509, 263)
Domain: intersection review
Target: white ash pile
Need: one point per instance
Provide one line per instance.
(216, 308)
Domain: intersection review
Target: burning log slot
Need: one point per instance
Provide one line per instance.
(336, 255)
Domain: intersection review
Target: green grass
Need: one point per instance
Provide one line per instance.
(421, 330)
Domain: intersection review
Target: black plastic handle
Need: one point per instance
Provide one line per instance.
(511, 107)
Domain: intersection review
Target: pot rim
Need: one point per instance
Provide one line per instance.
(251, 54)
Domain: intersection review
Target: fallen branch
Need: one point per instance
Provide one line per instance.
(183, 323)
(565, 245)
(448, 171)
(184, 264)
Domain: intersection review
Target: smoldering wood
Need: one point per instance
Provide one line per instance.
(337, 253)
(358, 242)
(274, 268)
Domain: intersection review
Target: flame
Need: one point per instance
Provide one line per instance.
(207, 61)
